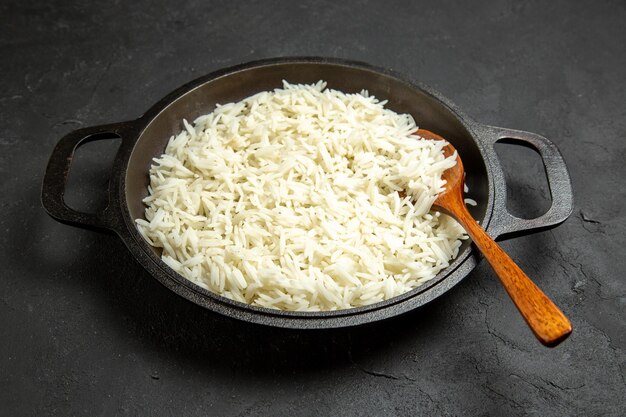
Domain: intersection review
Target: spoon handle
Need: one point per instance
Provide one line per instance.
(544, 318)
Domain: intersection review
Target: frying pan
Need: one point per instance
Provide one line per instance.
(146, 137)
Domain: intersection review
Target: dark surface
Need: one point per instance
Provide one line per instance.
(86, 331)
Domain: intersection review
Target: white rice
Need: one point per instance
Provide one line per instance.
(288, 200)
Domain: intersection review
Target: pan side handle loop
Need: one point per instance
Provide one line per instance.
(505, 223)
(55, 177)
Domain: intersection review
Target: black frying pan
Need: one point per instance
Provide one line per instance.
(146, 138)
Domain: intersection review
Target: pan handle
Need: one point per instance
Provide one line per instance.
(55, 178)
(504, 223)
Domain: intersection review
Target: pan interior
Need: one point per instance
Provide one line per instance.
(429, 113)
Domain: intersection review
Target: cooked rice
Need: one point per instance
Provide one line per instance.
(289, 200)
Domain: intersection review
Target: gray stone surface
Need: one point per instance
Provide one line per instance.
(85, 331)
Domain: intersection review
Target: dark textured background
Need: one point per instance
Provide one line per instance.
(85, 331)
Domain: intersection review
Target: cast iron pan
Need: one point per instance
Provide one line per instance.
(146, 138)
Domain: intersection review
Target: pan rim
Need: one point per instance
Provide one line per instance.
(441, 283)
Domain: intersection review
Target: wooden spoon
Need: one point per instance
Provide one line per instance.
(544, 318)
